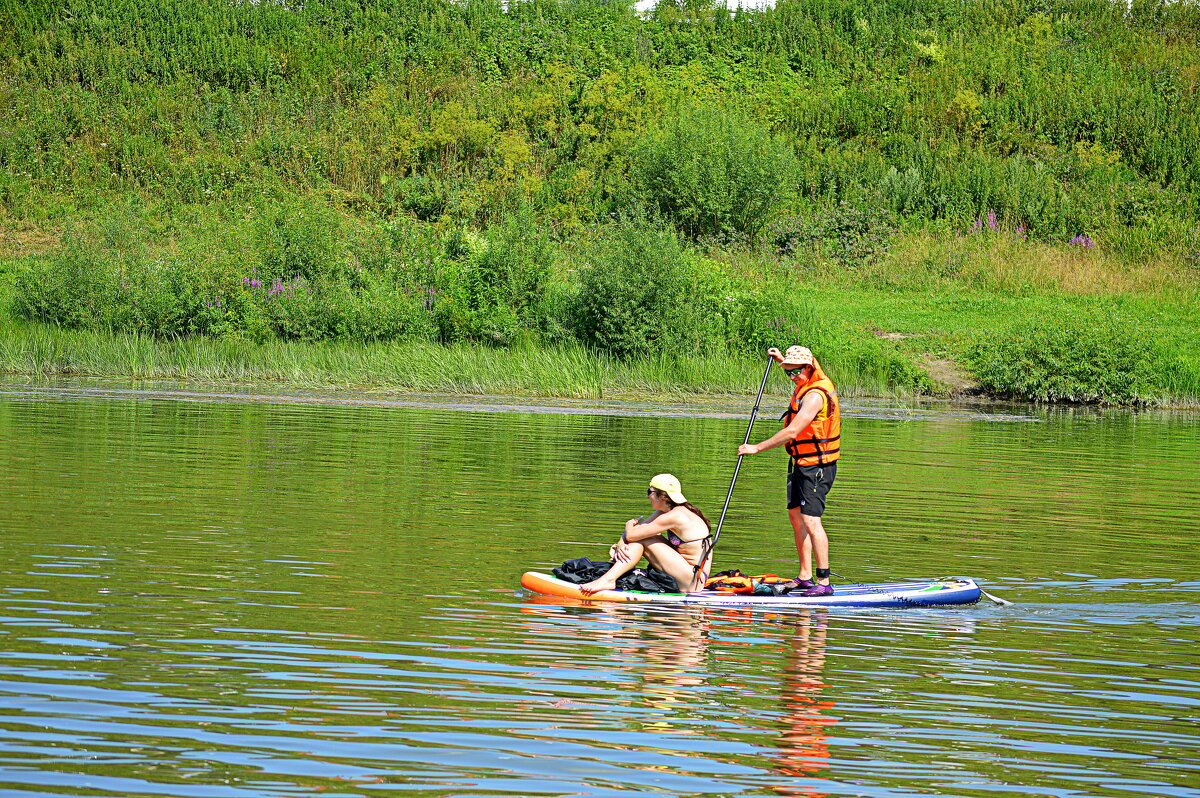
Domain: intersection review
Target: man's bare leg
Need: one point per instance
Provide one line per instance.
(811, 543)
(803, 542)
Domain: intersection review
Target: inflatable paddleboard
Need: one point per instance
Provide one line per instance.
(944, 592)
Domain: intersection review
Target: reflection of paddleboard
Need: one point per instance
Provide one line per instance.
(934, 593)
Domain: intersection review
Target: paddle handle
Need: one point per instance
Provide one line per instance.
(738, 467)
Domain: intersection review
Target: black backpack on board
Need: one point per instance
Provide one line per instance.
(646, 580)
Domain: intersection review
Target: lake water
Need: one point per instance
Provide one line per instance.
(234, 596)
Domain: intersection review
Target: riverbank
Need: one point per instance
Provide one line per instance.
(897, 346)
(568, 372)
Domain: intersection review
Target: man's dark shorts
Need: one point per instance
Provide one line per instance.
(807, 487)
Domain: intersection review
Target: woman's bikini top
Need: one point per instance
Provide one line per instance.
(676, 542)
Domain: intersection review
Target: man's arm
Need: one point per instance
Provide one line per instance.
(808, 411)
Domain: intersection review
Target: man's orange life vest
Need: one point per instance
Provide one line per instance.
(821, 441)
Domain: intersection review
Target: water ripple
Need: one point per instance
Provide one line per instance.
(320, 599)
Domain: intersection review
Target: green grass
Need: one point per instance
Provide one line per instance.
(941, 325)
(874, 328)
(569, 371)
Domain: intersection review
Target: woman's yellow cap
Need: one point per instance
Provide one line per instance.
(669, 485)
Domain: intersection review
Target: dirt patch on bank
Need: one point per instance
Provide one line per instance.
(948, 374)
(18, 243)
(950, 377)
(892, 336)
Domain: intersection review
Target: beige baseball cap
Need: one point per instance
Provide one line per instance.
(669, 485)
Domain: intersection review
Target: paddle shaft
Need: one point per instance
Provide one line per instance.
(738, 467)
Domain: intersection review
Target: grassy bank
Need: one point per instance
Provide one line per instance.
(935, 341)
(566, 371)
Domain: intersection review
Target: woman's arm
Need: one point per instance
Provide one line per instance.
(637, 529)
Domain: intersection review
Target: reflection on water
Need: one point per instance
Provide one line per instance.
(807, 720)
(206, 599)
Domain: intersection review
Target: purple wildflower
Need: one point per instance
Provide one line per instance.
(1021, 234)
(1083, 240)
(431, 296)
(991, 220)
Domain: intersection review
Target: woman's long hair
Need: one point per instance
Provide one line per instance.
(688, 505)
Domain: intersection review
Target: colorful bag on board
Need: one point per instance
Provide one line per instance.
(734, 581)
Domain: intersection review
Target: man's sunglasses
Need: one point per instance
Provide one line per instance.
(790, 372)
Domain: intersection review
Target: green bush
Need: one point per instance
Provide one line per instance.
(94, 288)
(715, 174)
(494, 285)
(119, 287)
(1075, 357)
(766, 318)
(370, 307)
(299, 238)
(849, 235)
(639, 294)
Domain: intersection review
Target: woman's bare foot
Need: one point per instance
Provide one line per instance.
(596, 585)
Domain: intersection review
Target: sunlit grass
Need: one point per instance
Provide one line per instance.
(1003, 261)
(569, 371)
(566, 371)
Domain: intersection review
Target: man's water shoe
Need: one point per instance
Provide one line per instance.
(819, 590)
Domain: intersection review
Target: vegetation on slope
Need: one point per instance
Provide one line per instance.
(558, 173)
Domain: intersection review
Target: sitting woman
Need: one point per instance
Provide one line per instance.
(671, 538)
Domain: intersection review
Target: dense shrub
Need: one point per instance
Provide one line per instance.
(849, 235)
(369, 308)
(766, 318)
(299, 239)
(639, 294)
(1074, 357)
(715, 174)
(493, 287)
(91, 286)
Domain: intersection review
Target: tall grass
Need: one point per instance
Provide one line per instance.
(568, 371)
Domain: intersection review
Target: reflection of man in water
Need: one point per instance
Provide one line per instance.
(805, 739)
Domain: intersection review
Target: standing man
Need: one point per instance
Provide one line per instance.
(812, 431)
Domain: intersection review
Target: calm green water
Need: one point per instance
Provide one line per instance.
(244, 598)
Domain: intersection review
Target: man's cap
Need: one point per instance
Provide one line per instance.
(669, 485)
(798, 356)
